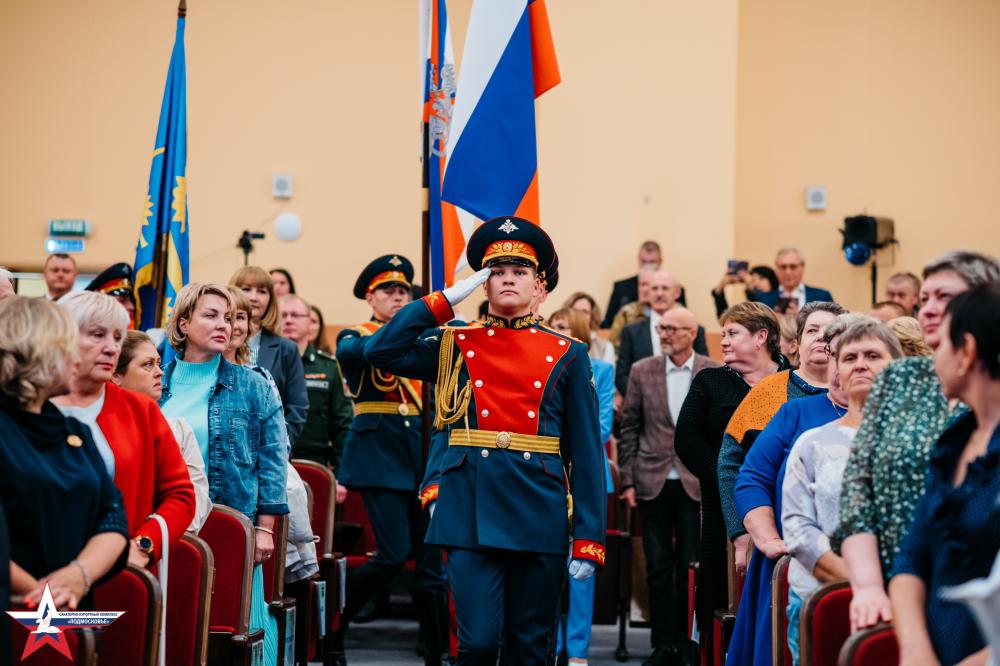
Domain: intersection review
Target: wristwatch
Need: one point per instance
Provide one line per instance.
(144, 543)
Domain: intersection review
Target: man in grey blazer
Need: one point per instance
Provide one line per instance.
(655, 480)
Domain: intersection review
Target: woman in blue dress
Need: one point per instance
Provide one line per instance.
(757, 495)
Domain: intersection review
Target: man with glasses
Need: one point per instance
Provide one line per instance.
(641, 339)
(656, 481)
(330, 410)
(792, 293)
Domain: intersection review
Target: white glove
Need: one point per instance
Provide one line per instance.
(430, 508)
(581, 569)
(459, 291)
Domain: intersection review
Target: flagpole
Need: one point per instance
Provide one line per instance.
(425, 277)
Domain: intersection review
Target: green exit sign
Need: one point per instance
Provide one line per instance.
(69, 228)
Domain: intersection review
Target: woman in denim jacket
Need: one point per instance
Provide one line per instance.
(238, 422)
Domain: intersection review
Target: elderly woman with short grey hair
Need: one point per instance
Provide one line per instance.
(134, 440)
(904, 415)
(815, 467)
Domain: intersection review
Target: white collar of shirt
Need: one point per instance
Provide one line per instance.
(799, 294)
(686, 365)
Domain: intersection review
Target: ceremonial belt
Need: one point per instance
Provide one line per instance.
(491, 439)
(375, 407)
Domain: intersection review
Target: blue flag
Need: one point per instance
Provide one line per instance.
(161, 256)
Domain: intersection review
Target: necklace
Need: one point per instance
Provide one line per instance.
(837, 408)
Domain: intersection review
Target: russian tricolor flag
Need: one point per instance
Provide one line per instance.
(509, 60)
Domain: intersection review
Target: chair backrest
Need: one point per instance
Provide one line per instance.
(189, 600)
(274, 567)
(134, 637)
(354, 513)
(780, 655)
(825, 624)
(875, 646)
(229, 534)
(320, 480)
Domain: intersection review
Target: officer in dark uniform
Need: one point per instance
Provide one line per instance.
(383, 461)
(520, 404)
(116, 281)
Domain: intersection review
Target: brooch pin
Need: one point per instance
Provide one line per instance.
(74, 441)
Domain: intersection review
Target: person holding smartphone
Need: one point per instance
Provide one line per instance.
(757, 280)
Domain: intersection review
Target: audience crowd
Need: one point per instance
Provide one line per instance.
(861, 446)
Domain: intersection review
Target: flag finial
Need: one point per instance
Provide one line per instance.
(182, 9)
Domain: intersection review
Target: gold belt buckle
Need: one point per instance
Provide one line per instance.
(503, 440)
(403, 409)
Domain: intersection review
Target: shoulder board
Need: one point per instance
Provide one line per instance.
(549, 329)
(327, 355)
(366, 328)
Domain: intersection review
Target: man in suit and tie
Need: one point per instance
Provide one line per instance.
(641, 339)
(792, 293)
(655, 480)
(627, 291)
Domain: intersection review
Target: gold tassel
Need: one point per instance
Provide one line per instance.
(452, 403)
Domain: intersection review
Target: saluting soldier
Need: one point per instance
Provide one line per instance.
(521, 485)
(383, 460)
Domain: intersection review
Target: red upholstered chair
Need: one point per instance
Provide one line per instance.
(283, 608)
(133, 638)
(613, 584)
(825, 624)
(875, 646)
(230, 536)
(81, 645)
(323, 488)
(189, 600)
(353, 531)
(780, 655)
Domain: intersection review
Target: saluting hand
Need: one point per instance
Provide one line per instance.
(459, 291)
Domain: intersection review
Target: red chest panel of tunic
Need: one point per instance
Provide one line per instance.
(509, 370)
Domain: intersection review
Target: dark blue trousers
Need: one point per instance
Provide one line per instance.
(399, 525)
(505, 596)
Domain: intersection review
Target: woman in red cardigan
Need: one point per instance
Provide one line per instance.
(135, 442)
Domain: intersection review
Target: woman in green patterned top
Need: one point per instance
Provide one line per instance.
(904, 415)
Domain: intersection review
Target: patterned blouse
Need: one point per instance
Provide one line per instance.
(904, 415)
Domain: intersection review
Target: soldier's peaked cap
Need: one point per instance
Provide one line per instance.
(115, 280)
(510, 240)
(386, 271)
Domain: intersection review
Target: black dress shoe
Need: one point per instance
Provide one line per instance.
(338, 658)
(662, 656)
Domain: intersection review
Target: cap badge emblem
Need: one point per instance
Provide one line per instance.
(395, 261)
(508, 246)
(503, 440)
(508, 227)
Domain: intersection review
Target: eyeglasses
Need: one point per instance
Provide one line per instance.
(670, 330)
(293, 315)
(788, 267)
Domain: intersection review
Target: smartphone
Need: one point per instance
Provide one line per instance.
(783, 303)
(734, 266)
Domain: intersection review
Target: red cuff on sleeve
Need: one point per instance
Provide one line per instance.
(588, 550)
(429, 495)
(439, 307)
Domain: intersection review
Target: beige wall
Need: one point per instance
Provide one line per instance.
(892, 104)
(637, 142)
(698, 124)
